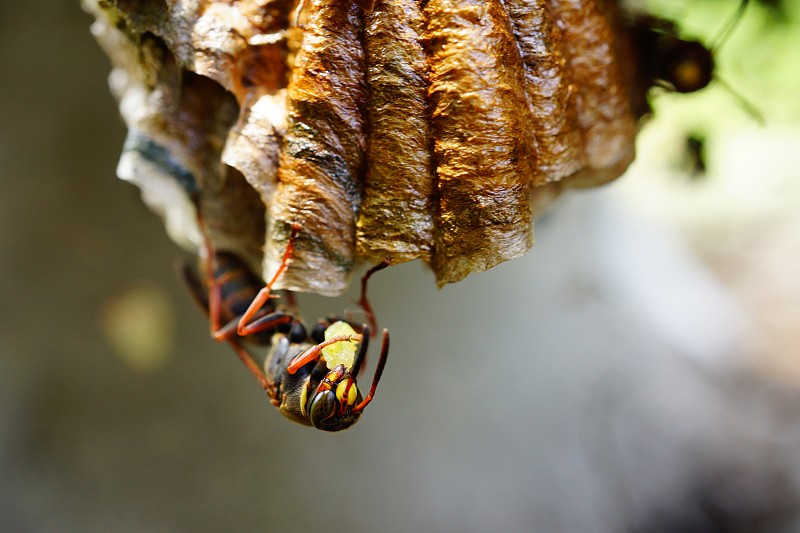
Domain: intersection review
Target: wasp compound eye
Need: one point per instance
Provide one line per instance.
(323, 405)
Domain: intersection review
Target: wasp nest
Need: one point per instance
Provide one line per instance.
(395, 128)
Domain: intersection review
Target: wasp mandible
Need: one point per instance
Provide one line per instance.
(310, 378)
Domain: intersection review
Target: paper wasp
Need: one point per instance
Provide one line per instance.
(679, 65)
(302, 381)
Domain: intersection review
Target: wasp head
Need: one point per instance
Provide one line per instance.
(331, 405)
(317, 386)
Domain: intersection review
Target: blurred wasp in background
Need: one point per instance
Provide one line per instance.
(664, 59)
(309, 377)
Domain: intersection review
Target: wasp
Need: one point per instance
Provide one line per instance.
(309, 377)
(680, 65)
(667, 61)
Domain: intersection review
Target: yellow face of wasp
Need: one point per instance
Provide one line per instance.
(348, 387)
(337, 393)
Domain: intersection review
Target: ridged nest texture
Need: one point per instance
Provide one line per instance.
(405, 129)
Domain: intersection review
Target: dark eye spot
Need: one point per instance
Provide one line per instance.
(322, 407)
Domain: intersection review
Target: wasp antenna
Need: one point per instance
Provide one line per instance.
(748, 107)
(727, 30)
(378, 373)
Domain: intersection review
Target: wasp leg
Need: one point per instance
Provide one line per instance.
(312, 354)
(267, 384)
(265, 322)
(378, 373)
(363, 302)
(201, 297)
(361, 356)
(213, 303)
(245, 327)
(369, 314)
(214, 285)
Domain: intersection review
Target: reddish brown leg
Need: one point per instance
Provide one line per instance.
(245, 328)
(270, 321)
(378, 373)
(363, 301)
(251, 365)
(312, 353)
(200, 296)
(213, 285)
(361, 356)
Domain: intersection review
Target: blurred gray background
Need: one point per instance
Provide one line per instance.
(614, 380)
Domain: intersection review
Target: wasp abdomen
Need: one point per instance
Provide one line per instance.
(238, 286)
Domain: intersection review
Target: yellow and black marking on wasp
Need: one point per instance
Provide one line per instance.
(309, 377)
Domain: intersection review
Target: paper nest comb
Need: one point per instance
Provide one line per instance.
(429, 130)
